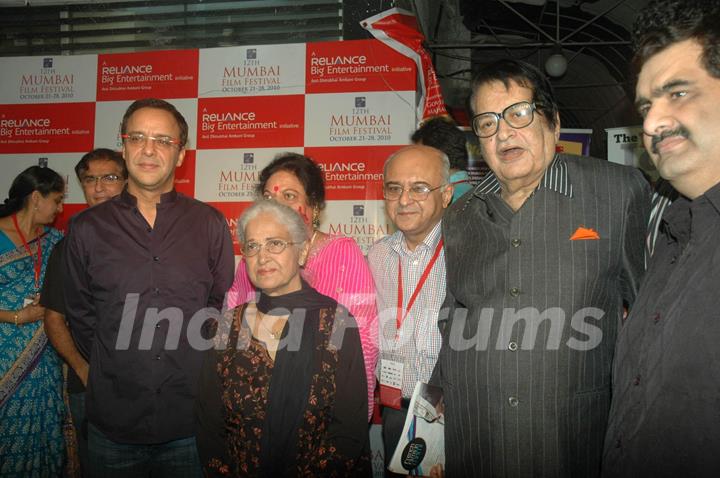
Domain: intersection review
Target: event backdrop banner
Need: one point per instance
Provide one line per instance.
(346, 104)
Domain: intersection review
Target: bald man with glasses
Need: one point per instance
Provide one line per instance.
(541, 258)
(409, 272)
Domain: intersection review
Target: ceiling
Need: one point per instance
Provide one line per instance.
(597, 89)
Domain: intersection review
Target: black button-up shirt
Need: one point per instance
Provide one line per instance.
(665, 416)
(134, 292)
(53, 297)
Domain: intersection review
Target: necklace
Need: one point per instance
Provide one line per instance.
(275, 334)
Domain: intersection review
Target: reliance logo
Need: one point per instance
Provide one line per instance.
(227, 116)
(25, 123)
(126, 69)
(338, 60)
(342, 167)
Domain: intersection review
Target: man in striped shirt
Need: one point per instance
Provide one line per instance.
(409, 271)
(541, 257)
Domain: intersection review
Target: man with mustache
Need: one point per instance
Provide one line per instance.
(665, 416)
(541, 257)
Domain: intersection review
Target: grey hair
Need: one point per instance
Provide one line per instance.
(285, 215)
(444, 167)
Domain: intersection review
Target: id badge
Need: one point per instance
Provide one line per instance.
(391, 374)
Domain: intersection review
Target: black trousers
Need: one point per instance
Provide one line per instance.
(392, 427)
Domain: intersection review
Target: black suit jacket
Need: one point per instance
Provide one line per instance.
(534, 300)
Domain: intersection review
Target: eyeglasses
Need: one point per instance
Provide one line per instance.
(273, 246)
(416, 192)
(138, 139)
(107, 179)
(518, 115)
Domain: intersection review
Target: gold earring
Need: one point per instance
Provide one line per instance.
(316, 219)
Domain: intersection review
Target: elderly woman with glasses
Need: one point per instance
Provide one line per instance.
(282, 392)
(335, 265)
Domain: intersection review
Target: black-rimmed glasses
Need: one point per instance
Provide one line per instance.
(518, 115)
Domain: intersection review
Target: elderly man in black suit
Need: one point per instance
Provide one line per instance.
(542, 258)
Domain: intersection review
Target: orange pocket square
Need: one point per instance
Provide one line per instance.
(582, 234)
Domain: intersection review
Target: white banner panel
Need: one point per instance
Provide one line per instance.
(365, 221)
(48, 79)
(62, 163)
(108, 117)
(231, 175)
(359, 119)
(252, 71)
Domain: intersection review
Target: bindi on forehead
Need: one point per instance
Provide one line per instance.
(276, 188)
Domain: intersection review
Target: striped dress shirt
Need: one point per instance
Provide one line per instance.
(418, 341)
(536, 297)
(662, 197)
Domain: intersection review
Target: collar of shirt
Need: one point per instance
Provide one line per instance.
(556, 179)
(397, 241)
(165, 198)
(713, 195)
(684, 215)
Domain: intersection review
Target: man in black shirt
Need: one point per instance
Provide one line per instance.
(102, 175)
(146, 269)
(665, 415)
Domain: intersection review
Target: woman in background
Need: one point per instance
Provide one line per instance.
(335, 265)
(31, 402)
(282, 392)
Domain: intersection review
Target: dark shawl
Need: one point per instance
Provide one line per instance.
(312, 421)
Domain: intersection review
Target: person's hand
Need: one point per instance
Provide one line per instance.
(436, 471)
(82, 373)
(30, 313)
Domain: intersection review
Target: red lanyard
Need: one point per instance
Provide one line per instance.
(37, 264)
(401, 316)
